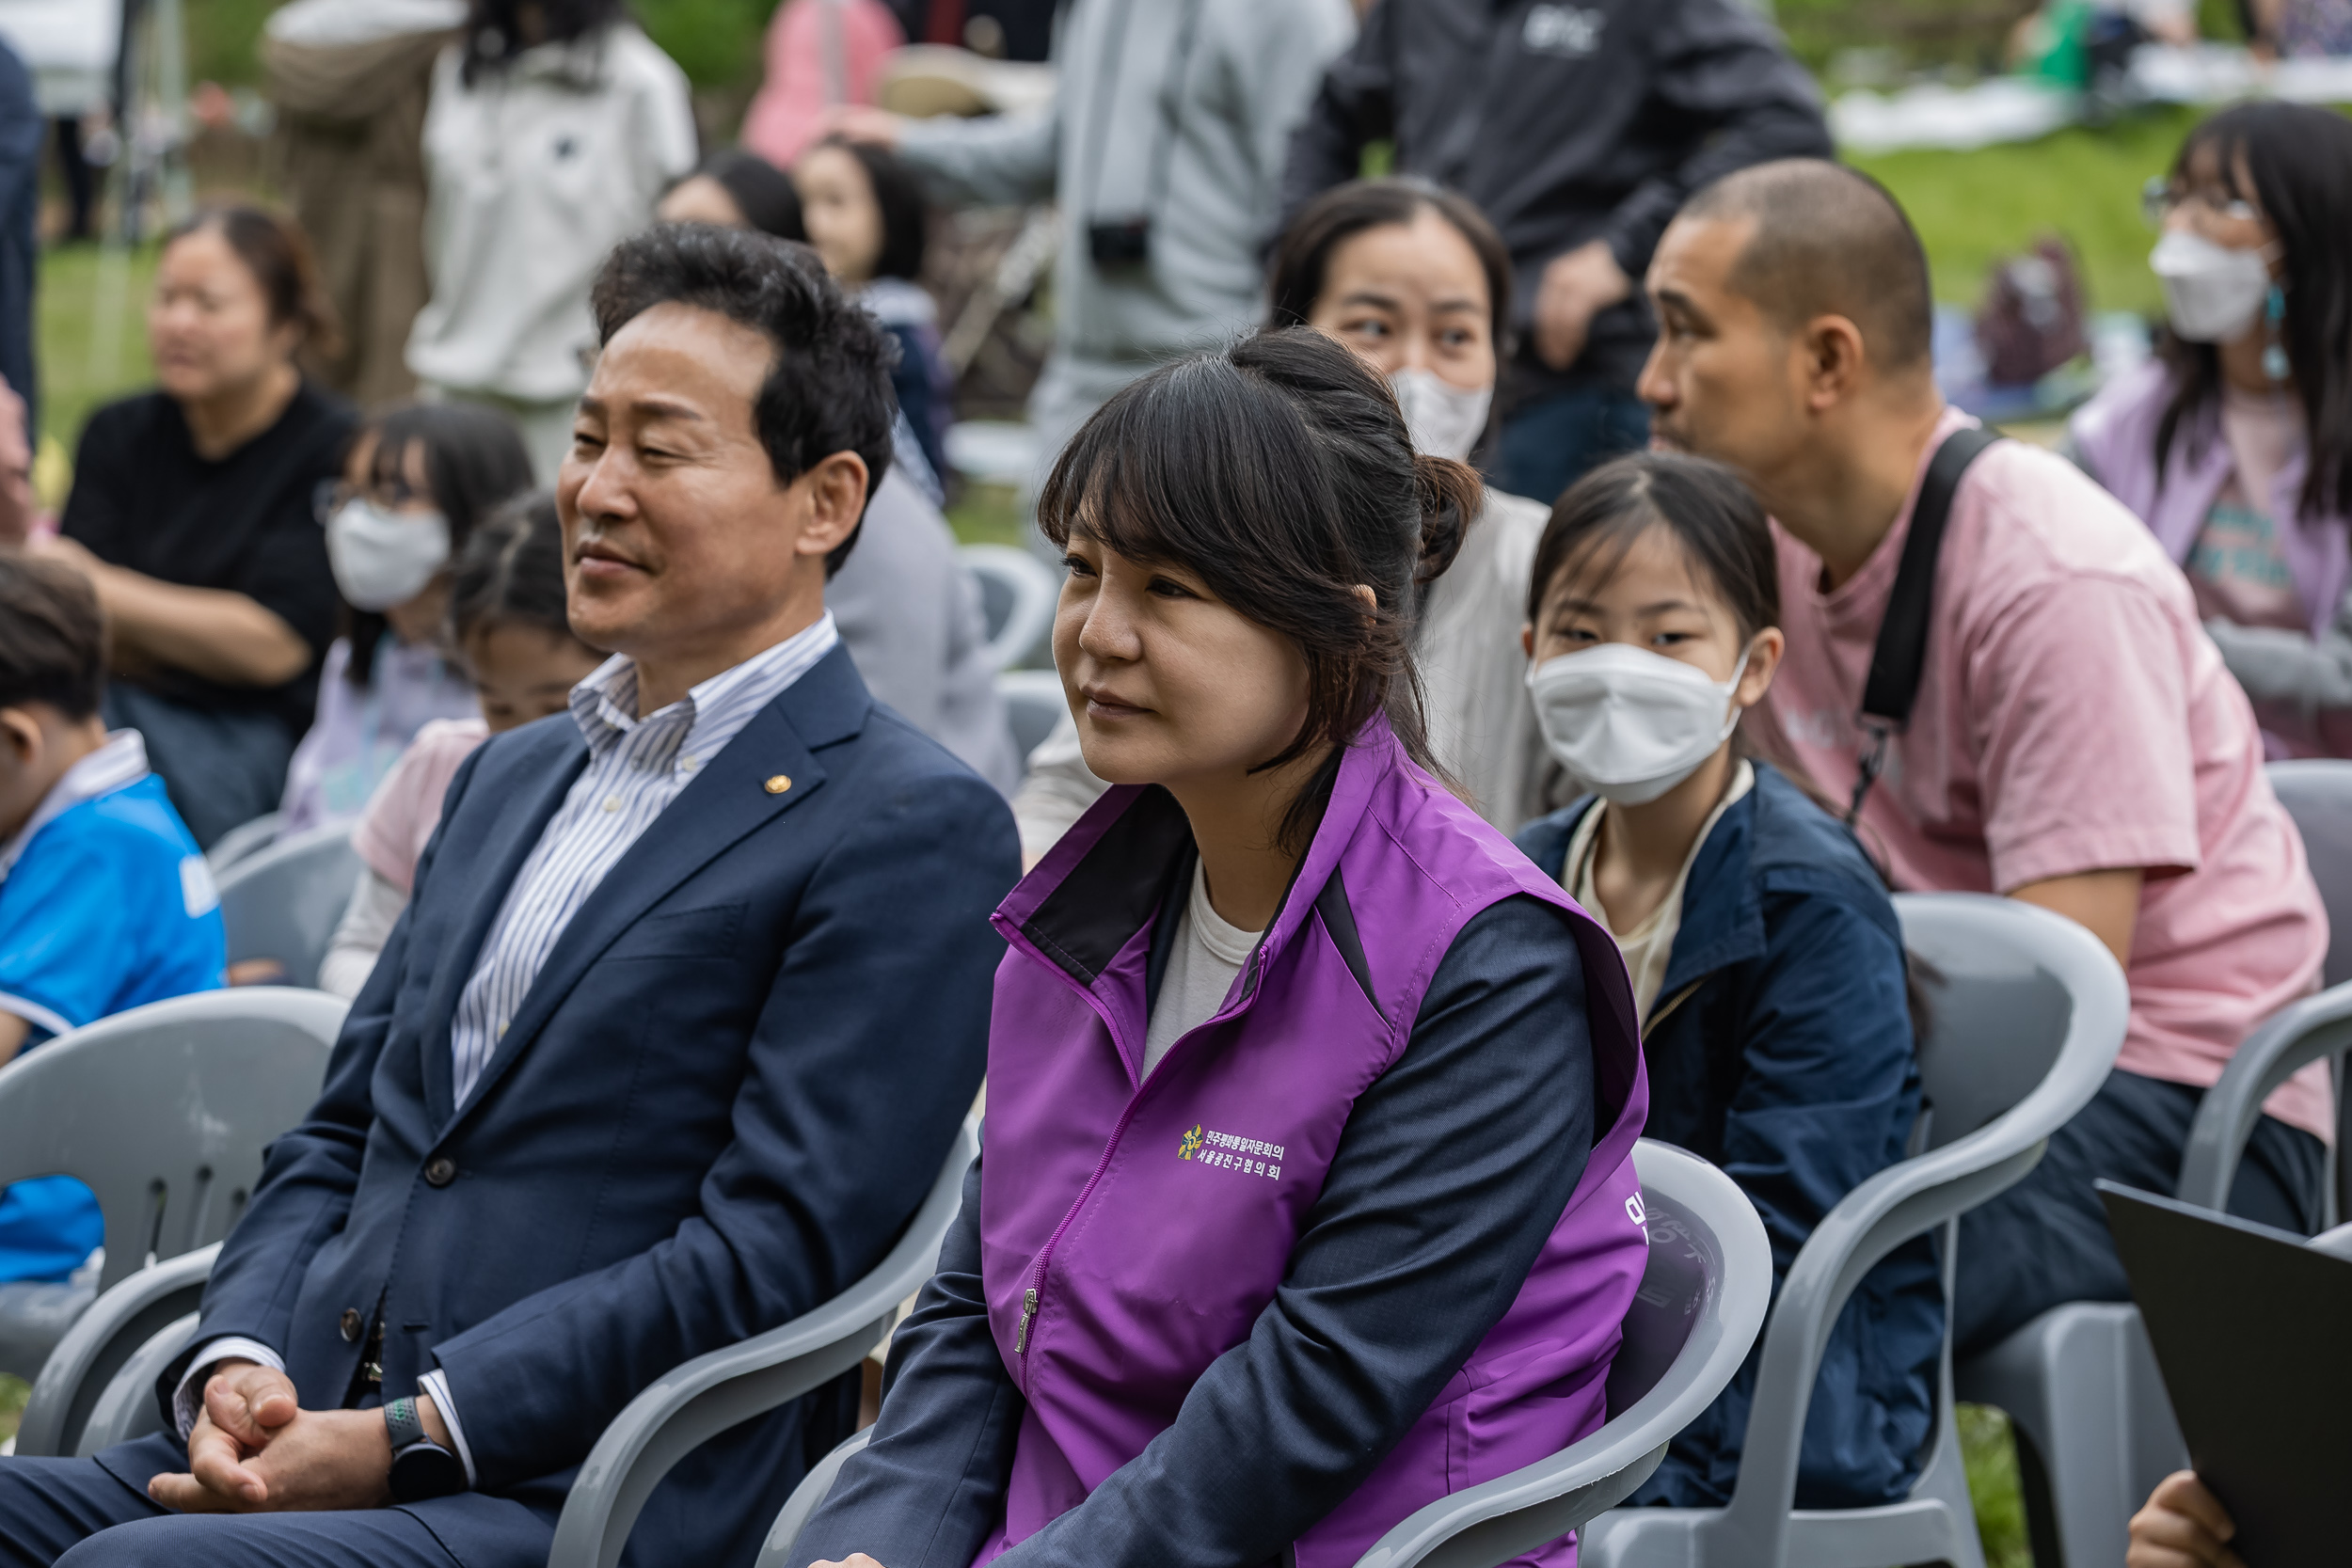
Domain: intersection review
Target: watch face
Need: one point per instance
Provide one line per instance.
(426, 1469)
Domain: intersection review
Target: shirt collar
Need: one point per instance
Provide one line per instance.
(121, 761)
(692, 729)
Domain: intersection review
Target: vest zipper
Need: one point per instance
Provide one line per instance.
(1031, 1296)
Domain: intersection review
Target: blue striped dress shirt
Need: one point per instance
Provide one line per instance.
(636, 767)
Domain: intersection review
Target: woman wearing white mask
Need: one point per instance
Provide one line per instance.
(2235, 445)
(1766, 959)
(417, 481)
(1414, 278)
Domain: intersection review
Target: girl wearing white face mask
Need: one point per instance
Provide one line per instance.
(1763, 948)
(1415, 280)
(417, 480)
(2235, 445)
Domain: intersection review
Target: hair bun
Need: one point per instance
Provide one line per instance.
(1450, 495)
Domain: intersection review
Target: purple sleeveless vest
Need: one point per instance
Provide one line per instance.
(1133, 1233)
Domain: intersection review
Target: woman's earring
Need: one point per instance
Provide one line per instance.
(2275, 315)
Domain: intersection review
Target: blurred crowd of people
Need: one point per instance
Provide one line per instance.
(1487, 561)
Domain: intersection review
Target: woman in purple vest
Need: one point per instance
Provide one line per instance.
(1307, 1194)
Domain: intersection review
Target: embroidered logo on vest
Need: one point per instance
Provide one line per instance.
(1230, 1152)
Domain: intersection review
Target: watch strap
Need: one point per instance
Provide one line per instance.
(402, 1424)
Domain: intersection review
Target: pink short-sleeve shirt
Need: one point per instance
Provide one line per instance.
(2073, 717)
(406, 806)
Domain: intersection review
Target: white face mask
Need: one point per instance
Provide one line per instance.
(2211, 293)
(1630, 722)
(383, 558)
(1442, 419)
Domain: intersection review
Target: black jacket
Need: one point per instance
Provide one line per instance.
(1566, 122)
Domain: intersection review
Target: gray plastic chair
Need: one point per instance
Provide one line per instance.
(242, 841)
(1704, 1292)
(2080, 1383)
(2025, 1013)
(163, 1112)
(692, 1403)
(1034, 703)
(1018, 593)
(2317, 793)
(284, 902)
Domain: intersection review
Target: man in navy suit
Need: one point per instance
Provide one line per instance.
(667, 1049)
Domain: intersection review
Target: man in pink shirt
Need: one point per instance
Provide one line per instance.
(2076, 743)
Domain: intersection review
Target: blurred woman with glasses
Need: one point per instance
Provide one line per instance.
(2234, 444)
(418, 480)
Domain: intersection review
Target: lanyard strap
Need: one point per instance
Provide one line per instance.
(1900, 655)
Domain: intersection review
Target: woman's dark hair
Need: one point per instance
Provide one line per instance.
(511, 571)
(475, 459)
(277, 254)
(905, 220)
(1302, 256)
(761, 191)
(1279, 472)
(1712, 517)
(53, 639)
(494, 35)
(827, 389)
(2299, 161)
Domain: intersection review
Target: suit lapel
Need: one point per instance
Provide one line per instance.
(522, 817)
(726, 800)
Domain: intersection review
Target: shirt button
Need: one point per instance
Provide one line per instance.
(502, 1023)
(685, 765)
(613, 802)
(351, 1325)
(439, 1172)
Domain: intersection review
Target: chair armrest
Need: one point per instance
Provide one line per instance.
(802, 1506)
(117, 1324)
(127, 1407)
(2288, 1041)
(694, 1403)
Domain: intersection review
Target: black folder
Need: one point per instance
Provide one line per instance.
(2254, 1332)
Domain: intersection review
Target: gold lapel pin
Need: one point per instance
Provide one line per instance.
(778, 784)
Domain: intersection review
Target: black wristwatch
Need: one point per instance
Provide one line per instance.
(422, 1468)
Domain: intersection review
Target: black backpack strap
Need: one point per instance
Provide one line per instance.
(1900, 653)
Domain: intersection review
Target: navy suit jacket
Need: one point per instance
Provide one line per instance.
(718, 1106)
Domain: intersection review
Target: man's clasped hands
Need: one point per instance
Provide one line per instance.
(254, 1449)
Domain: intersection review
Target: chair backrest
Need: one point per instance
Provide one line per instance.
(1995, 1015)
(1018, 593)
(1034, 703)
(284, 902)
(243, 840)
(1700, 1283)
(163, 1111)
(2317, 793)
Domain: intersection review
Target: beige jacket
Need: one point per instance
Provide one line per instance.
(350, 81)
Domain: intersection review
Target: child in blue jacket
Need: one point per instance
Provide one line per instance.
(104, 901)
(1766, 959)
